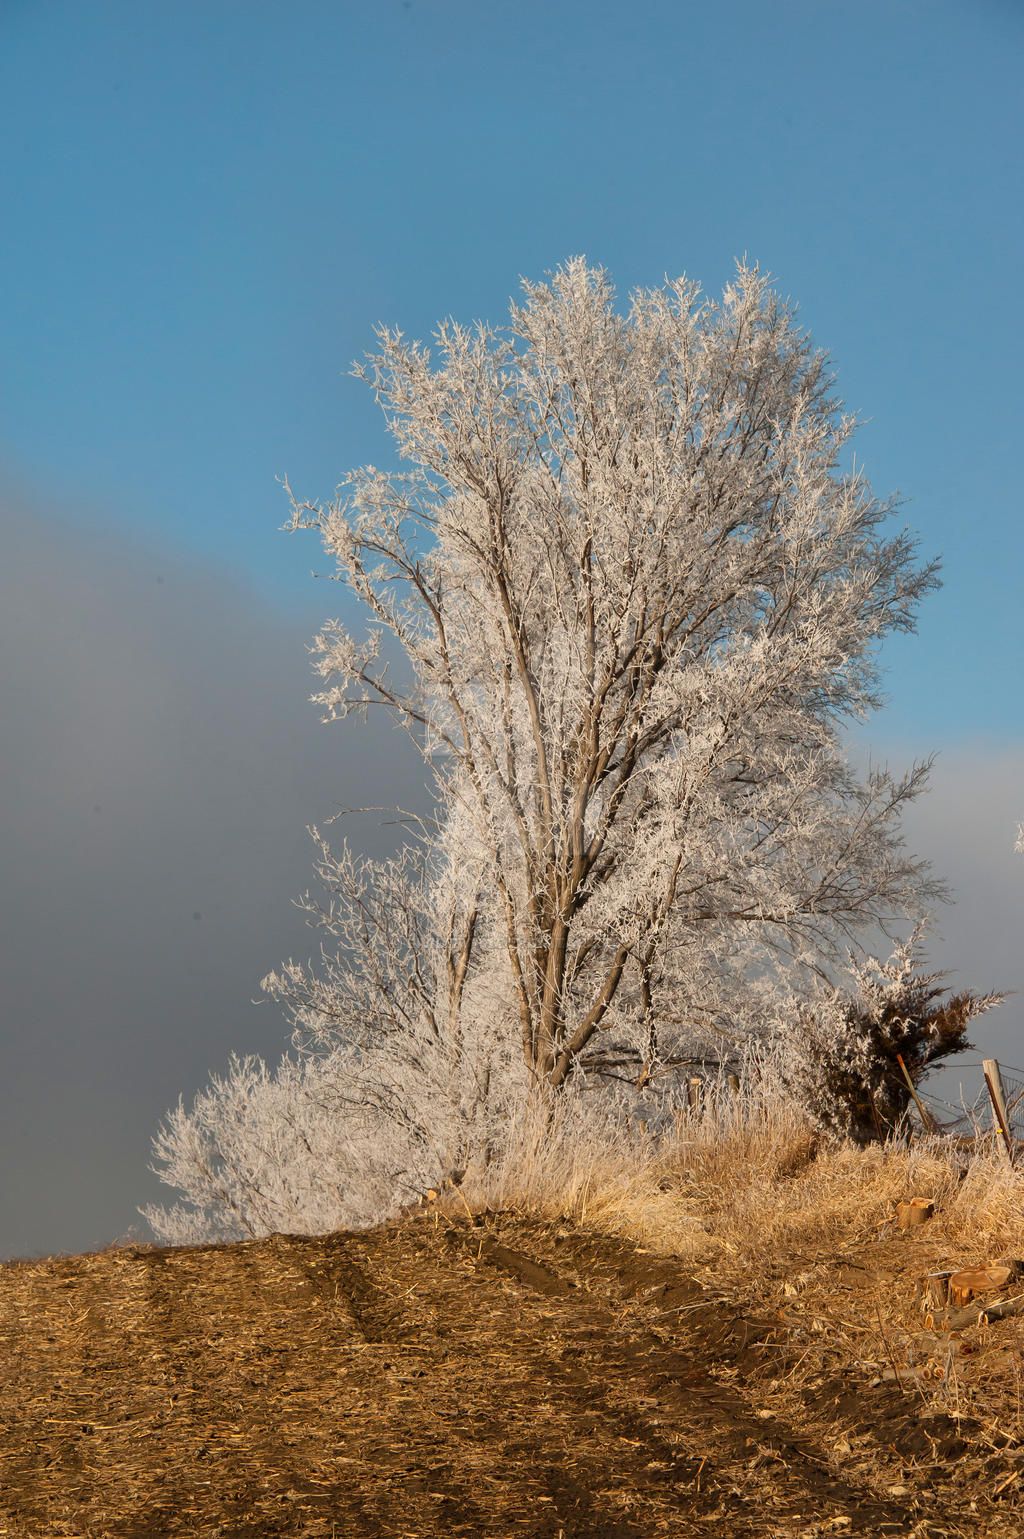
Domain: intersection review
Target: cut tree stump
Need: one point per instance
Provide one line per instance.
(918, 1210)
(989, 1279)
(933, 1291)
(939, 1290)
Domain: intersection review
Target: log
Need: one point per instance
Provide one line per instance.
(1002, 1309)
(999, 1309)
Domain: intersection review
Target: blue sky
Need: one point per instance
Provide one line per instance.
(208, 206)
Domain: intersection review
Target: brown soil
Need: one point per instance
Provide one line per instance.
(504, 1378)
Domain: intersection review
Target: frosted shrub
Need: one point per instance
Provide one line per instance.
(408, 1069)
(263, 1151)
(841, 1049)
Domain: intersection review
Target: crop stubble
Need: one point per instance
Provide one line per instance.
(431, 1377)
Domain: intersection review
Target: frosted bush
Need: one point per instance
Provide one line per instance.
(841, 1047)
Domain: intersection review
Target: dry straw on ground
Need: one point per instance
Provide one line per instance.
(712, 1330)
(747, 1179)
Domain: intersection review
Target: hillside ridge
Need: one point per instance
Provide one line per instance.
(503, 1376)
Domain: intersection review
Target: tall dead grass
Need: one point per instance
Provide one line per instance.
(747, 1176)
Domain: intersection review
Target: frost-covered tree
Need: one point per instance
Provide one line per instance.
(637, 590)
(639, 593)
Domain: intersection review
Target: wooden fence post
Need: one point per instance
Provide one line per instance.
(929, 1126)
(994, 1081)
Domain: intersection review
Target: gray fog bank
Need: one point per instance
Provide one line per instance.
(160, 764)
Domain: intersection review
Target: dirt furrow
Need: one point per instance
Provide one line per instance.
(412, 1381)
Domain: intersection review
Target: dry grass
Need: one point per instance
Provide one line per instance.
(744, 1180)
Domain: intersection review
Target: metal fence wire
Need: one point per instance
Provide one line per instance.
(967, 1119)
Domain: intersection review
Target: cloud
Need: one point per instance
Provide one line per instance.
(967, 826)
(160, 766)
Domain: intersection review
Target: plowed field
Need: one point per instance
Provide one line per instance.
(431, 1378)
